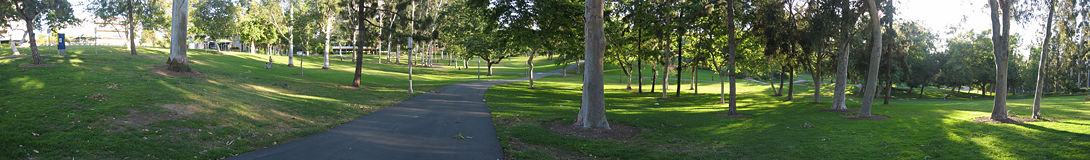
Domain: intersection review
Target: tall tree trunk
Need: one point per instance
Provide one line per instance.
(722, 87)
(1000, 46)
(1041, 64)
(252, 47)
(839, 94)
(357, 57)
(328, 24)
(654, 78)
(922, 88)
(33, 42)
(816, 73)
(696, 84)
(592, 112)
(732, 45)
(639, 62)
(772, 79)
(178, 61)
(666, 74)
(628, 73)
(875, 59)
(132, 39)
(889, 82)
(692, 78)
(639, 75)
(679, 63)
(291, 35)
(791, 85)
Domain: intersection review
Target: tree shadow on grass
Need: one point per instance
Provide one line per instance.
(244, 100)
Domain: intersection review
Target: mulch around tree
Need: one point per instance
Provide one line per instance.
(355, 88)
(734, 115)
(838, 110)
(162, 70)
(857, 117)
(1011, 120)
(617, 132)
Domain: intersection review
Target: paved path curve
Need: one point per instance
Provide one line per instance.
(422, 127)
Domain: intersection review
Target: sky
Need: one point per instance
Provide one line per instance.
(940, 15)
(937, 15)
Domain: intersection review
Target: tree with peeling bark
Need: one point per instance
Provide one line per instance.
(177, 61)
(151, 15)
(592, 112)
(55, 13)
(1001, 18)
(848, 16)
(875, 59)
(1041, 63)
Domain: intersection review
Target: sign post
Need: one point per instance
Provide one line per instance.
(60, 43)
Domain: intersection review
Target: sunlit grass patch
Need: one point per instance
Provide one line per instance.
(687, 128)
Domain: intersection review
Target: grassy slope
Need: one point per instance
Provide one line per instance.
(239, 106)
(686, 128)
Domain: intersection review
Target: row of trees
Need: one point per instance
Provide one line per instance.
(765, 40)
(777, 40)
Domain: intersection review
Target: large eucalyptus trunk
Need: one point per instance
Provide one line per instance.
(328, 23)
(592, 112)
(291, 35)
(1041, 64)
(177, 61)
(839, 95)
(252, 45)
(1001, 48)
(875, 59)
(666, 74)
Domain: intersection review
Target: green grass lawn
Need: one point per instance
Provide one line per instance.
(686, 128)
(113, 106)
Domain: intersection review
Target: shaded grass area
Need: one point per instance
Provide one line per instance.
(686, 127)
(112, 106)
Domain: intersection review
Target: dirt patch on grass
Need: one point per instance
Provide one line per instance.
(1011, 120)
(617, 132)
(354, 88)
(519, 146)
(734, 115)
(857, 117)
(162, 70)
(183, 110)
(838, 110)
(98, 97)
(28, 65)
(137, 119)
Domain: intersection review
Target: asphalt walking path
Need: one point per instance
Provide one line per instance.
(451, 122)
